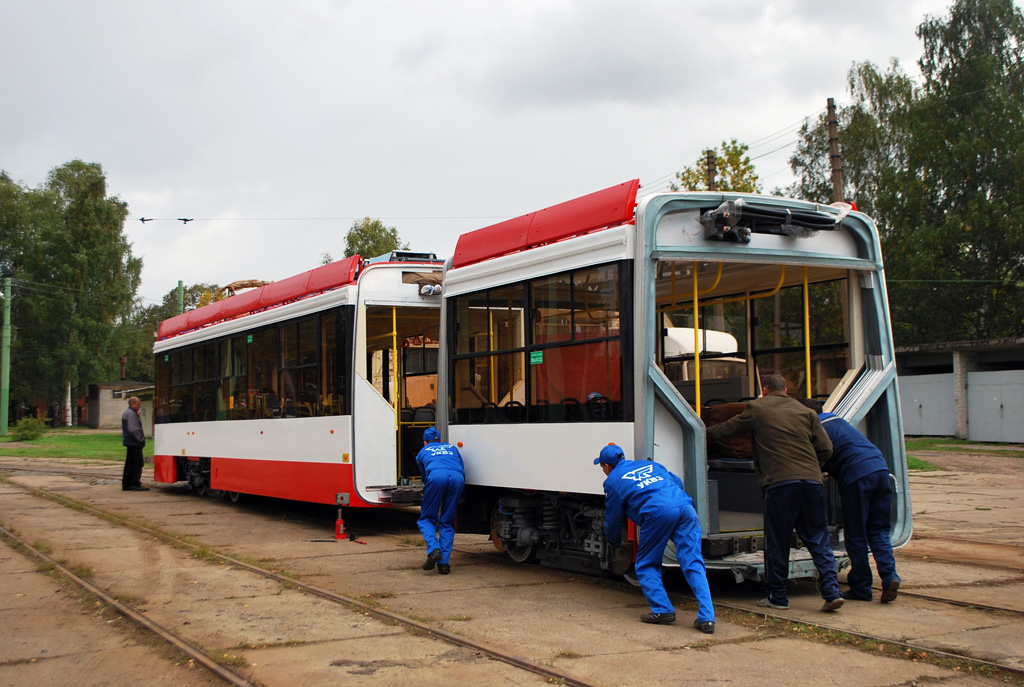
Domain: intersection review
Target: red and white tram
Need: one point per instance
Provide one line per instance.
(312, 388)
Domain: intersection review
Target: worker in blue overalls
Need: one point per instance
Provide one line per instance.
(444, 478)
(862, 474)
(655, 500)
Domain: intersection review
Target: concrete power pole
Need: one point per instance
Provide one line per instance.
(5, 363)
(712, 171)
(833, 151)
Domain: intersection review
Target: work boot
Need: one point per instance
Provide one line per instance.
(890, 589)
(432, 558)
(707, 627)
(443, 568)
(658, 618)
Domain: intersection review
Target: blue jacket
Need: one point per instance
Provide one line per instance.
(638, 489)
(438, 457)
(853, 454)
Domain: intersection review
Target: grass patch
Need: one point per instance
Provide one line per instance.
(69, 443)
(228, 659)
(952, 445)
(918, 464)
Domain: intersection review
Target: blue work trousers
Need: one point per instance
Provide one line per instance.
(800, 506)
(867, 506)
(441, 495)
(683, 528)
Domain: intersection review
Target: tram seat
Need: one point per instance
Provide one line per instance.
(423, 414)
(599, 408)
(493, 414)
(515, 411)
(572, 409)
(407, 414)
(540, 410)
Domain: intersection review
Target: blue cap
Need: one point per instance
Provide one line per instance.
(431, 434)
(610, 454)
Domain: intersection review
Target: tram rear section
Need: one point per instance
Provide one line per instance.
(611, 320)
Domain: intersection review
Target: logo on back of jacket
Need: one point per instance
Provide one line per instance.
(642, 476)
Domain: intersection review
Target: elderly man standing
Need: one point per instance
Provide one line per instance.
(654, 498)
(444, 478)
(790, 446)
(133, 438)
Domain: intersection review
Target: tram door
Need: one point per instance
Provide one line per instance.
(396, 392)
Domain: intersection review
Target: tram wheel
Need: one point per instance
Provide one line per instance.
(202, 490)
(234, 496)
(521, 553)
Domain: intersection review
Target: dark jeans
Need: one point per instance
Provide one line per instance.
(867, 505)
(800, 506)
(132, 475)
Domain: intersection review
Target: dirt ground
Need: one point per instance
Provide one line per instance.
(967, 547)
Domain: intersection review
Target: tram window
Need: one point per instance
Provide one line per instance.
(471, 316)
(551, 307)
(780, 319)
(506, 312)
(571, 374)
(829, 324)
(330, 400)
(185, 366)
(263, 354)
(596, 302)
(163, 383)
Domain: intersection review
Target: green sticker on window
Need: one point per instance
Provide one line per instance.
(536, 357)
(166, 358)
(248, 339)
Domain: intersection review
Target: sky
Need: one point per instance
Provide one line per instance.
(274, 126)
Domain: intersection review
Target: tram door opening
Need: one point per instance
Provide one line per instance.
(401, 364)
(725, 325)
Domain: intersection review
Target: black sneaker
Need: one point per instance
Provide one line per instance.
(658, 618)
(443, 568)
(432, 558)
(707, 627)
(139, 487)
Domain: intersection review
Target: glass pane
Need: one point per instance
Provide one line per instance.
(225, 358)
(206, 394)
(828, 307)
(239, 357)
(827, 369)
(790, 366)
(180, 404)
(507, 317)
(596, 302)
(185, 367)
(289, 345)
(471, 323)
(263, 377)
(551, 306)
(780, 319)
(307, 342)
(472, 389)
(330, 401)
(163, 383)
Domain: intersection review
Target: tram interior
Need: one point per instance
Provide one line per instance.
(731, 324)
(408, 379)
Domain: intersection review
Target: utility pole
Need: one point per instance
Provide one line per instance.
(712, 172)
(833, 151)
(181, 297)
(5, 363)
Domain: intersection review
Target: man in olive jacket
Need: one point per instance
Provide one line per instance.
(790, 446)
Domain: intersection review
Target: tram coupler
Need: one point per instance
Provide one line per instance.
(339, 527)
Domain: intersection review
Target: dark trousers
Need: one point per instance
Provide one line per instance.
(867, 505)
(132, 475)
(800, 506)
(441, 494)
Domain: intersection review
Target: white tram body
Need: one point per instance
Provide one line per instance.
(560, 329)
(307, 389)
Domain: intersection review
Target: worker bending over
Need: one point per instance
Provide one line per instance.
(654, 499)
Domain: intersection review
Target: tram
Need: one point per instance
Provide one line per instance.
(313, 388)
(607, 320)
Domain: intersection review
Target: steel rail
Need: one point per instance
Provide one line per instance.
(197, 654)
(443, 635)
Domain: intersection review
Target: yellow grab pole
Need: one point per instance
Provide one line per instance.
(807, 334)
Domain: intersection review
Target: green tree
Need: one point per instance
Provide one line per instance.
(76, 280)
(733, 171)
(939, 166)
(370, 238)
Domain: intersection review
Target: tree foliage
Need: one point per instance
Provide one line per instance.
(75, 280)
(370, 238)
(941, 167)
(733, 171)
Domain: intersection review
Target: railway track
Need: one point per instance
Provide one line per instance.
(202, 656)
(439, 634)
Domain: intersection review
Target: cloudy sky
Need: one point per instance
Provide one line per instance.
(275, 125)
